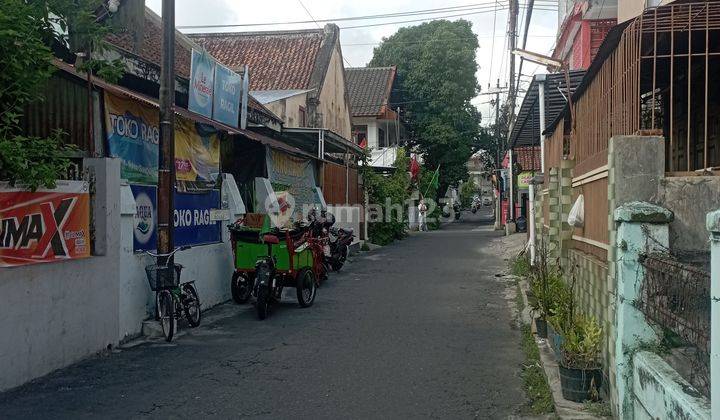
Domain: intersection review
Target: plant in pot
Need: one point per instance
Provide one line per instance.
(543, 282)
(580, 367)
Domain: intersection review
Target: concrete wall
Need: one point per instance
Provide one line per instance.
(690, 199)
(55, 314)
(333, 101)
(288, 110)
(660, 393)
(210, 266)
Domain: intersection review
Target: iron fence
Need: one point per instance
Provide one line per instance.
(675, 295)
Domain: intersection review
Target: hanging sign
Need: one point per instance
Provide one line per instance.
(133, 134)
(202, 74)
(523, 179)
(45, 225)
(227, 93)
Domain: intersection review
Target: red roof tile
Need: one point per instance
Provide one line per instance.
(150, 49)
(528, 158)
(277, 60)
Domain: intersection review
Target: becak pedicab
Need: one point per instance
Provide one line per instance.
(268, 259)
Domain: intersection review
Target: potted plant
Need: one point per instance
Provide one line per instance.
(580, 368)
(544, 281)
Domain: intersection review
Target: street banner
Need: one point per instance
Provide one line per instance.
(227, 91)
(292, 175)
(133, 135)
(202, 74)
(197, 151)
(193, 221)
(45, 225)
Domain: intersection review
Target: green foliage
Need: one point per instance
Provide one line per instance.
(436, 69)
(534, 381)
(384, 193)
(467, 191)
(32, 161)
(365, 247)
(29, 32)
(581, 346)
(520, 266)
(598, 408)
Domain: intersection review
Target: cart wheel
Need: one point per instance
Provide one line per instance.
(240, 287)
(306, 288)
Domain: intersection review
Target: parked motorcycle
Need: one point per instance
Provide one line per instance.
(340, 240)
(456, 210)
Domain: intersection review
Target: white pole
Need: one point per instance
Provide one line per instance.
(531, 223)
(713, 225)
(540, 78)
(512, 198)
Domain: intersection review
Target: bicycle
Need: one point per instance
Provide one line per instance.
(172, 297)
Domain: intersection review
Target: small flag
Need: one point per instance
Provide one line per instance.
(363, 143)
(435, 181)
(414, 168)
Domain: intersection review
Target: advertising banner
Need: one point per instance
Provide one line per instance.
(292, 175)
(523, 180)
(197, 151)
(192, 219)
(133, 135)
(227, 91)
(202, 74)
(45, 225)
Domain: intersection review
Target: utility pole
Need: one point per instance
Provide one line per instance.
(498, 142)
(166, 167)
(511, 102)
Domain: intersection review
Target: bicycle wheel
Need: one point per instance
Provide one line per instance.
(166, 313)
(191, 304)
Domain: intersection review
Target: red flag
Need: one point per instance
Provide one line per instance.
(363, 143)
(414, 168)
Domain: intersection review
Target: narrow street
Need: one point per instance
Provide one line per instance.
(417, 329)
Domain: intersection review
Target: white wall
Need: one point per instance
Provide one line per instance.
(210, 266)
(55, 314)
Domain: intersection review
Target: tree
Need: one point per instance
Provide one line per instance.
(436, 80)
(30, 33)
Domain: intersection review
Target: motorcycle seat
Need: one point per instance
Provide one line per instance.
(271, 239)
(348, 231)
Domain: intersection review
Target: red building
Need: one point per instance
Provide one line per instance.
(582, 28)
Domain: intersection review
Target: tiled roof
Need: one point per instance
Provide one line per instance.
(528, 158)
(281, 60)
(150, 48)
(369, 89)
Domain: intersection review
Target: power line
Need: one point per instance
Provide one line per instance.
(464, 8)
(318, 25)
(492, 48)
(415, 20)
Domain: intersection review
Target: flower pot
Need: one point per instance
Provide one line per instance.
(557, 341)
(541, 327)
(577, 384)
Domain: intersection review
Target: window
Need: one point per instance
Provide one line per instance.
(360, 133)
(382, 140)
(302, 121)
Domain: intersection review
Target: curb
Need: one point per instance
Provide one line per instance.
(564, 409)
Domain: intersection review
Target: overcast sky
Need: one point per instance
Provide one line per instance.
(357, 44)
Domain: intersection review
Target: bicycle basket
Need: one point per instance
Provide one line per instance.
(162, 276)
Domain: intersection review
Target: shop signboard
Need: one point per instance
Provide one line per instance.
(227, 94)
(202, 75)
(192, 219)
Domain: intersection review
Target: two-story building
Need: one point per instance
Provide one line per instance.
(375, 121)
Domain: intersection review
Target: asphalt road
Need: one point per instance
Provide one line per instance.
(418, 329)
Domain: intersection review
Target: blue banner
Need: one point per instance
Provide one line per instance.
(202, 74)
(226, 102)
(191, 219)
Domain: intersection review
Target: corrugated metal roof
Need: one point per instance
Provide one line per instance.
(526, 130)
(268, 96)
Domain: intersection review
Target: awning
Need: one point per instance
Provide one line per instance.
(308, 139)
(526, 130)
